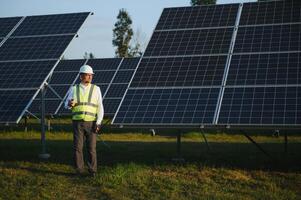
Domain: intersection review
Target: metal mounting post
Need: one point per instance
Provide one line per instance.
(43, 154)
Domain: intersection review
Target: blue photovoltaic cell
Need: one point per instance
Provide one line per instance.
(274, 38)
(129, 63)
(63, 77)
(61, 90)
(70, 65)
(265, 69)
(104, 63)
(168, 106)
(103, 88)
(271, 12)
(13, 102)
(102, 77)
(116, 90)
(180, 71)
(261, 105)
(110, 106)
(51, 24)
(50, 106)
(189, 42)
(123, 76)
(198, 17)
(24, 74)
(7, 24)
(50, 47)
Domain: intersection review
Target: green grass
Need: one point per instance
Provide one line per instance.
(139, 166)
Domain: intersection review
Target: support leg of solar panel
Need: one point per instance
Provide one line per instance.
(43, 154)
(153, 132)
(205, 139)
(285, 143)
(257, 145)
(179, 158)
(25, 124)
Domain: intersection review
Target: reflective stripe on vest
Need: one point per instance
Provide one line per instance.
(85, 107)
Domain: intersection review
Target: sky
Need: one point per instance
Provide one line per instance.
(96, 34)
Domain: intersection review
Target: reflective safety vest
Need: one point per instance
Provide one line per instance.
(86, 106)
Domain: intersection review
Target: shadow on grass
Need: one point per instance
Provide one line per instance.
(228, 155)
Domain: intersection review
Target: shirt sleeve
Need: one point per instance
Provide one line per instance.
(69, 97)
(100, 110)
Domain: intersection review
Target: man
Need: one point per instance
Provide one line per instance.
(85, 101)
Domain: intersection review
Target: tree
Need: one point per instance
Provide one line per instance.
(138, 44)
(122, 34)
(202, 2)
(89, 55)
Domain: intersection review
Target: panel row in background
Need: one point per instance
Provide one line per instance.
(112, 75)
(30, 48)
(190, 76)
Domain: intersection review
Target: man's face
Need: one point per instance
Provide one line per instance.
(86, 78)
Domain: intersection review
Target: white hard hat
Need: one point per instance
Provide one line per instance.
(86, 69)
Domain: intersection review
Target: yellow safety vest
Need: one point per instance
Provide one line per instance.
(86, 107)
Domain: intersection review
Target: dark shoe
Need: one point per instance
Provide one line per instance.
(93, 174)
(80, 173)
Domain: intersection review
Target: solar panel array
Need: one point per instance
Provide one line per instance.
(186, 55)
(263, 83)
(236, 64)
(29, 50)
(112, 75)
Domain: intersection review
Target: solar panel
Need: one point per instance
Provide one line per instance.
(123, 76)
(103, 88)
(103, 76)
(116, 90)
(216, 70)
(61, 90)
(265, 69)
(104, 63)
(63, 77)
(50, 106)
(110, 106)
(168, 106)
(24, 74)
(272, 38)
(180, 71)
(13, 103)
(29, 48)
(189, 42)
(69, 65)
(29, 55)
(7, 24)
(129, 63)
(186, 55)
(261, 105)
(198, 17)
(271, 12)
(51, 24)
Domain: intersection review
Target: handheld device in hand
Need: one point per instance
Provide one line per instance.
(72, 103)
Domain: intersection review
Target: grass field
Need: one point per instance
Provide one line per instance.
(139, 166)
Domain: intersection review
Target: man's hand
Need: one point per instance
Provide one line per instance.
(97, 128)
(71, 103)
